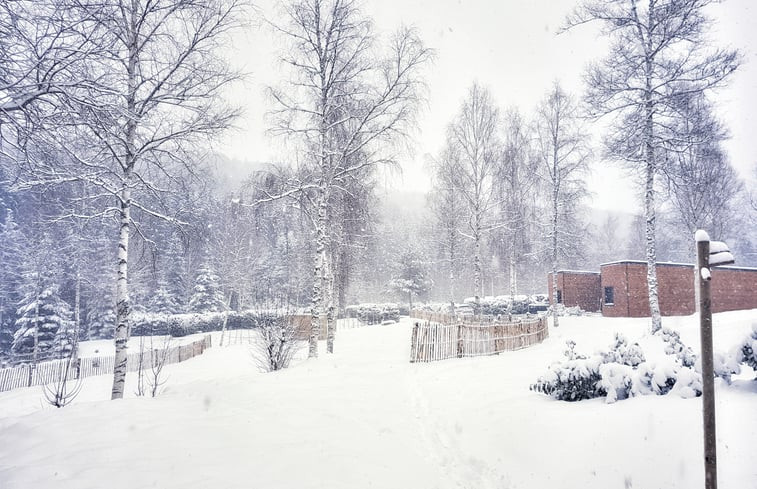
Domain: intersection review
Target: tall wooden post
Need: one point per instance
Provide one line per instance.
(708, 377)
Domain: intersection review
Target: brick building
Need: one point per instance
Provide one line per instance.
(622, 289)
(577, 288)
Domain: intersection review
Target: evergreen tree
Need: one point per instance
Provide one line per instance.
(174, 264)
(100, 316)
(11, 242)
(44, 322)
(163, 301)
(412, 276)
(207, 296)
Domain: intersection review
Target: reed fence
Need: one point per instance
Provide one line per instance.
(45, 372)
(437, 340)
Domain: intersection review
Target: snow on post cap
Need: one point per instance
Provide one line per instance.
(718, 247)
(701, 235)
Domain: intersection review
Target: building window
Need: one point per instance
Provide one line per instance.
(559, 296)
(609, 296)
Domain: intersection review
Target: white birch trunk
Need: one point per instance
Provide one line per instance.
(477, 257)
(555, 198)
(649, 191)
(123, 304)
(330, 322)
(318, 313)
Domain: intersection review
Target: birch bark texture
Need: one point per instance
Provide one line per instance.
(659, 52)
(346, 108)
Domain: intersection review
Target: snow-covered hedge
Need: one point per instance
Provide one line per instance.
(185, 324)
(620, 373)
(374, 313)
(567, 311)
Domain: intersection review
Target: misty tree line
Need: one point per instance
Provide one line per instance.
(111, 205)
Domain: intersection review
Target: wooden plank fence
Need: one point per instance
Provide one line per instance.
(432, 341)
(46, 372)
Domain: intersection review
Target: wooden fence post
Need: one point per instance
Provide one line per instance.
(708, 385)
(414, 343)
(460, 340)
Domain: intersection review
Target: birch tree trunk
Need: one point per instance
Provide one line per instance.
(318, 314)
(477, 257)
(331, 321)
(123, 304)
(555, 199)
(649, 190)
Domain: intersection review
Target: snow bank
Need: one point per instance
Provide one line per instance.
(365, 417)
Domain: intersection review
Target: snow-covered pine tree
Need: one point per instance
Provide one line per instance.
(174, 265)
(99, 293)
(412, 276)
(207, 296)
(11, 242)
(42, 315)
(163, 300)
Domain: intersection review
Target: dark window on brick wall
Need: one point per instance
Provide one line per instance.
(559, 296)
(609, 296)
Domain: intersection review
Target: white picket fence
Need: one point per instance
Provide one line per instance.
(432, 341)
(46, 372)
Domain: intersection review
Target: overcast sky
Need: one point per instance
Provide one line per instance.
(511, 47)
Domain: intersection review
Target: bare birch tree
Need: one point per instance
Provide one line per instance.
(472, 152)
(562, 155)
(448, 208)
(517, 194)
(342, 101)
(43, 44)
(152, 91)
(659, 51)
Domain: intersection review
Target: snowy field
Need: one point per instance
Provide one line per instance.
(366, 417)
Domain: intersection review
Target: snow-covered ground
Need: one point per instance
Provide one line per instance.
(366, 417)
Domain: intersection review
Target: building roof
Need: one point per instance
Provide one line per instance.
(674, 264)
(589, 272)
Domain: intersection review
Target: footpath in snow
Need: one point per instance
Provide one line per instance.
(367, 418)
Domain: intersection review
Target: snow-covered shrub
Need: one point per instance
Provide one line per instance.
(674, 346)
(748, 353)
(178, 328)
(570, 353)
(725, 365)
(572, 380)
(688, 383)
(623, 353)
(617, 380)
(655, 378)
(567, 311)
(276, 344)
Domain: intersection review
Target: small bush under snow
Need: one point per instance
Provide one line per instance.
(748, 349)
(655, 378)
(572, 380)
(623, 353)
(674, 346)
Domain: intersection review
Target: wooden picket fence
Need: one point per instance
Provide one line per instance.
(432, 341)
(47, 372)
